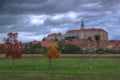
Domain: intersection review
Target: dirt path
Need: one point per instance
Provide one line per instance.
(72, 55)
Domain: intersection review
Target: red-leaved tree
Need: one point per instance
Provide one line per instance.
(12, 47)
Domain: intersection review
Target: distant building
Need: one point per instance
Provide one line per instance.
(54, 36)
(82, 33)
(81, 38)
(48, 43)
(103, 44)
(86, 33)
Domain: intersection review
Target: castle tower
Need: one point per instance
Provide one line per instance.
(82, 25)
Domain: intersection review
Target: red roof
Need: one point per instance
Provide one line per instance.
(54, 34)
(113, 42)
(84, 42)
(35, 42)
(48, 43)
(86, 30)
(72, 31)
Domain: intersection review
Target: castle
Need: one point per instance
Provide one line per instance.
(82, 33)
(83, 38)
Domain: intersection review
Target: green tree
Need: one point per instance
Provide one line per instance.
(70, 49)
(42, 50)
(67, 48)
(61, 45)
(1, 51)
(31, 48)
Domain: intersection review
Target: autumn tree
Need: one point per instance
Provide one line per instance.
(52, 53)
(1, 48)
(12, 47)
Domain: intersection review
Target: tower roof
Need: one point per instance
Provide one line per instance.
(82, 23)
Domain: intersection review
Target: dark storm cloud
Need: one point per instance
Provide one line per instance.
(21, 6)
(40, 17)
(45, 6)
(55, 6)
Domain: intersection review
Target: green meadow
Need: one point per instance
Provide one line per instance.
(61, 69)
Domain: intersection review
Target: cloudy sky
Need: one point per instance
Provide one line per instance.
(33, 19)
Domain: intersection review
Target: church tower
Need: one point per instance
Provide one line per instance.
(82, 25)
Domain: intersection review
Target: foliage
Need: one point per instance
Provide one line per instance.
(61, 45)
(112, 51)
(52, 53)
(115, 51)
(70, 49)
(42, 50)
(101, 51)
(34, 49)
(67, 48)
(44, 39)
(107, 51)
(12, 47)
(1, 51)
(31, 48)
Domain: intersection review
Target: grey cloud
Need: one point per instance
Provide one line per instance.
(16, 15)
(11, 19)
(53, 22)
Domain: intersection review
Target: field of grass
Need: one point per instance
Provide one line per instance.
(61, 69)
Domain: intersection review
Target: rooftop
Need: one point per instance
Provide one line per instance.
(54, 34)
(86, 30)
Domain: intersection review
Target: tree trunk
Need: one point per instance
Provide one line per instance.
(13, 62)
(50, 63)
(91, 63)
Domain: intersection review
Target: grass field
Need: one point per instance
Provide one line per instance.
(62, 69)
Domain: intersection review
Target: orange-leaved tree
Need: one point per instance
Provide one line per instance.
(52, 53)
(12, 47)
